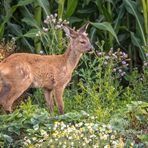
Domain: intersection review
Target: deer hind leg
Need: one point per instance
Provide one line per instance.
(49, 99)
(59, 99)
(14, 93)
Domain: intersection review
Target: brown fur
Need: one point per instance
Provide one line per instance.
(20, 71)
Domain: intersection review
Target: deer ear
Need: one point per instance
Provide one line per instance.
(83, 28)
(71, 33)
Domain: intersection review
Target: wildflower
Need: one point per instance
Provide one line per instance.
(105, 63)
(51, 16)
(120, 70)
(65, 22)
(46, 22)
(70, 138)
(145, 64)
(146, 54)
(72, 143)
(63, 146)
(48, 17)
(104, 126)
(104, 137)
(95, 146)
(55, 15)
(114, 70)
(112, 137)
(107, 57)
(34, 138)
(114, 55)
(60, 20)
(54, 20)
(92, 136)
(124, 62)
(114, 142)
(58, 26)
(41, 52)
(107, 146)
(43, 132)
(80, 124)
(122, 74)
(37, 34)
(141, 79)
(28, 141)
(45, 29)
(41, 140)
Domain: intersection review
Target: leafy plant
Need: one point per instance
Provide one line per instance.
(132, 120)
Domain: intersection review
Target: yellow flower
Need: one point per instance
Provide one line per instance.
(112, 137)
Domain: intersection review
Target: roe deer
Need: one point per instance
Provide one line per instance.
(21, 71)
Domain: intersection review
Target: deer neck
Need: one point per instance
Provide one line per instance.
(72, 58)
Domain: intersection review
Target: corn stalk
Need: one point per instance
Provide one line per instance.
(145, 15)
(60, 16)
(37, 16)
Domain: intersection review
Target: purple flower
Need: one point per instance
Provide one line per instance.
(124, 62)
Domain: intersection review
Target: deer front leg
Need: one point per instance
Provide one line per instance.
(49, 99)
(59, 99)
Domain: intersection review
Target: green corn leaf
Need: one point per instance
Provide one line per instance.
(107, 27)
(136, 42)
(131, 7)
(71, 6)
(24, 2)
(31, 22)
(45, 5)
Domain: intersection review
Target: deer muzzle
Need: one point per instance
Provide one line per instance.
(90, 49)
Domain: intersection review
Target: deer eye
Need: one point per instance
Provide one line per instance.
(82, 42)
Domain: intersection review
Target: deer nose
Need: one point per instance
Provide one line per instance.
(90, 48)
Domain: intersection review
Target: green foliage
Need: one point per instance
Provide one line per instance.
(116, 19)
(97, 86)
(132, 120)
(32, 126)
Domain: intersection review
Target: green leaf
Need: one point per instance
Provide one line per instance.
(75, 20)
(143, 138)
(45, 5)
(24, 2)
(107, 27)
(119, 18)
(136, 42)
(131, 7)
(15, 29)
(8, 138)
(30, 22)
(71, 6)
(31, 33)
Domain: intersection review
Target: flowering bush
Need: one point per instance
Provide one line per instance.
(82, 134)
(50, 34)
(31, 126)
(118, 60)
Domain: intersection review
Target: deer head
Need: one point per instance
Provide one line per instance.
(78, 39)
